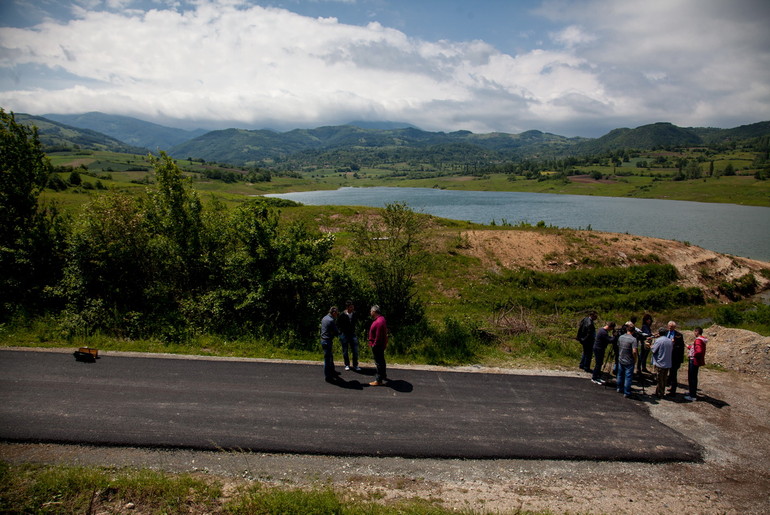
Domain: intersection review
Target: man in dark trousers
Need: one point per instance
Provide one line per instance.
(328, 332)
(604, 337)
(378, 340)
(586, 335)
(661, 358)
(346, 323)
(677, 356)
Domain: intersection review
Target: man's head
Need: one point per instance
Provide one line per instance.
(349, 307)
(333, 311)
(375, 311)
(609, 325)
(698, 331)
(630, 328)
(672, 326)
(662, 331)
(593, 315)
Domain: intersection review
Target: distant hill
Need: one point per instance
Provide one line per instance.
(645, 137)
(129, 130)
(237, 146)
(58, 136)
(665, 135)
(368, 145)
(754, 130)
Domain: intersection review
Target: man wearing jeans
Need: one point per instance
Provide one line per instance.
(661, 358)
(627, 353)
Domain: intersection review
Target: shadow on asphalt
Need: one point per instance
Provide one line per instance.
(645, 391)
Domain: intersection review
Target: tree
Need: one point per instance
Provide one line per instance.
(31, 236)
(75, 178)
(174, 216)
(392, 248)
(692, 170)
(110, 267)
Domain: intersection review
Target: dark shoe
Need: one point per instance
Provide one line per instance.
(332, 379)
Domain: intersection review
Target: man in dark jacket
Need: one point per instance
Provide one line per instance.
(677, 356)
(586, 335)
(328, 332)
(604, 338)
(346, 323)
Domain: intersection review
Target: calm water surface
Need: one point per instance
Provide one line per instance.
(728, 228)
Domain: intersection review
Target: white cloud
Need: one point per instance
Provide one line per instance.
(614, 63)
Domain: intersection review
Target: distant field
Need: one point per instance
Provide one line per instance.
(127, 172)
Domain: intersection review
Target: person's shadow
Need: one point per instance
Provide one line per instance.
(348, 385)
(398, 385)
(717, 403)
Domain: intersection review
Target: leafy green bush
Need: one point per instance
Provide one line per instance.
(739, 288)
(643, 287)
(728, 315)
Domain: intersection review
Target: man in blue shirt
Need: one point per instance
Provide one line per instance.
(662, 350)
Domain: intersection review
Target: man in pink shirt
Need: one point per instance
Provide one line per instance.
(378, 340)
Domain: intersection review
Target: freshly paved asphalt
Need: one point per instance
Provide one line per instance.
(287, 407)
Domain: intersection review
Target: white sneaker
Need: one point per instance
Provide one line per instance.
(688, 398)
(347, 367)
(358, 369)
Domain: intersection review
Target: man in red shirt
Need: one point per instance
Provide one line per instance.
(378, 340)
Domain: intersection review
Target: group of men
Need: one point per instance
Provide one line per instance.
(344, 325)
(632, 345)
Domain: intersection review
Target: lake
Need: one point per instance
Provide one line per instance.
(727, 228)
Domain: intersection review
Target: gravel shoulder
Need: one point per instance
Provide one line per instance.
(732, 423)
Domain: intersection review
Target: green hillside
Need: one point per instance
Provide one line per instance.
(58, 136)
(238, 146)
(131, 131)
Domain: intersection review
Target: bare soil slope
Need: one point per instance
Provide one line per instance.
(565, 250)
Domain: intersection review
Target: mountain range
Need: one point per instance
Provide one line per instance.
(362, 142)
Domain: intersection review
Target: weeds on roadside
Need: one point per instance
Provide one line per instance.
(62, 489)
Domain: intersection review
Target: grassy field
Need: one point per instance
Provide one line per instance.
(61, 489)
(125, 172)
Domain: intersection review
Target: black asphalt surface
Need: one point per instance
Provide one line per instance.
(286, 407)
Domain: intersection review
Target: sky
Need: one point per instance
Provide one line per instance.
(573, 68)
